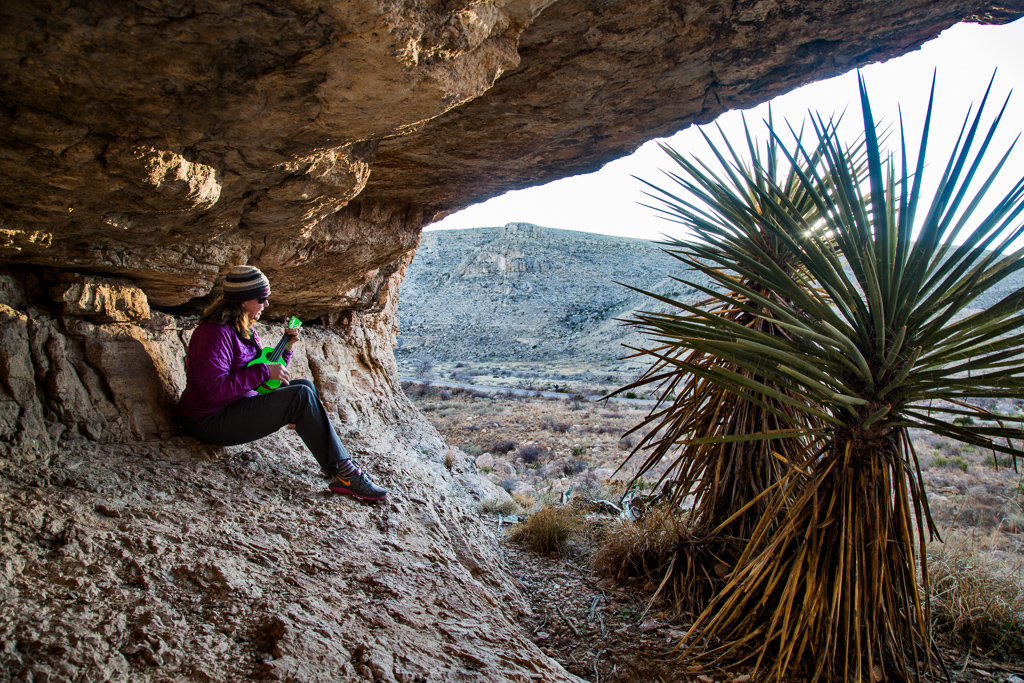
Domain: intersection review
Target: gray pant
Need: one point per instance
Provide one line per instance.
(254, 417)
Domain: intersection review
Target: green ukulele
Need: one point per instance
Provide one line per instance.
(274, 356)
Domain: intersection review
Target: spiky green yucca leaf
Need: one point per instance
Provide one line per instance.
(700, 428)
(869, 325)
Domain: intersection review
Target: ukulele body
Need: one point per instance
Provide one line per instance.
(274, 355)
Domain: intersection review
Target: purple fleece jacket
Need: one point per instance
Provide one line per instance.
(216, 370)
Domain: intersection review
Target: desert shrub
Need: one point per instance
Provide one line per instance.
(529, 453)
(559, 427)
(964, 421)
(976, 600)
(656, 545)
(416, 390)
(424, 367)
(508, 483)
(525, 500)
(955, 463)
(501, 447)
(637, 548)
(547, 529)
(577, 451)
(493, 506)
(444, 395)
(574, 467)
(602, 429)
(1013, 522)
(960, 448)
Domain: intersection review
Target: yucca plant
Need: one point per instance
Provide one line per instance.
(696, 421)
(698, 424)
(878, 324)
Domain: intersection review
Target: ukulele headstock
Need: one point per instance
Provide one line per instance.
(294, 323)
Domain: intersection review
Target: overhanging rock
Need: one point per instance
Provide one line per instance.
(165, 142)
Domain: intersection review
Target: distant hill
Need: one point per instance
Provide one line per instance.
(523, 292)
(527, 294)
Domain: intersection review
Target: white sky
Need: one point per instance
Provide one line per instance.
(965, 56)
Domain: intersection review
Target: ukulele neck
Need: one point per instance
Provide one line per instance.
(279, 350)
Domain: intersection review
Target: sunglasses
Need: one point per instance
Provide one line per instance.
(262, 300)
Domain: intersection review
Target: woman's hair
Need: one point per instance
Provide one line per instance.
(230, 313)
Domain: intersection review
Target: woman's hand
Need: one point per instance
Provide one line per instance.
(292, 332)
(280, 373)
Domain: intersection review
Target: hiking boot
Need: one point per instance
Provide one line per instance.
(357, 484)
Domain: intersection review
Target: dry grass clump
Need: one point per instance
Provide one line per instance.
(493, 506)
(640, 549)
(525, 500)
(977, 600)
(547, 529)
(662, 551)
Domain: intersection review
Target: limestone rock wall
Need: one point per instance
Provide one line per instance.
(596, 80)
(164, 140)
(129, 552)
(88, 357)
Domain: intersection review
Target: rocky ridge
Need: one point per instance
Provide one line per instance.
(524, 293)
(528, 295)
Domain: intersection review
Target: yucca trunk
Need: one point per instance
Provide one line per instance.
(812, 592)
(716, 485)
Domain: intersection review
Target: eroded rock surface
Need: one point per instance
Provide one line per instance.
(131, 553)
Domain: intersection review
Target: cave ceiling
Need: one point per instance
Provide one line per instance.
(162, 142)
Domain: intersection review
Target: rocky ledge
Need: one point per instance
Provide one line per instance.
(129, 552)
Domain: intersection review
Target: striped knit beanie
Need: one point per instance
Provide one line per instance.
(244, 283)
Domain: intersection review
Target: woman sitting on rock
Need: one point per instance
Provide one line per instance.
(220, 404)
